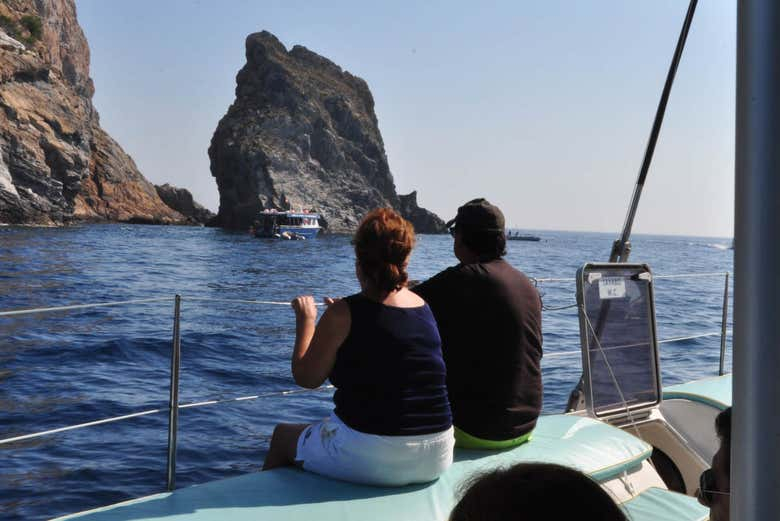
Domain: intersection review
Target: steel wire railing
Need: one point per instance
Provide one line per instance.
(174, 405)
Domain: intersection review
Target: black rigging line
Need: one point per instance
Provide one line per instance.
(621, 248)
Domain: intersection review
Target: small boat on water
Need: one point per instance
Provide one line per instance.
(517, 236)
(287, 225)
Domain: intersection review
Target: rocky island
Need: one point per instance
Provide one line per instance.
(57, 165)
(302, 133)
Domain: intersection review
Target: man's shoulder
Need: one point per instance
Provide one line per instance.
(440, 283)
(447, 273)
(504, 266)
(504, 272)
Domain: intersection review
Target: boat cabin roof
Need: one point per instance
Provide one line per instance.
(290, 214)
(602, 451)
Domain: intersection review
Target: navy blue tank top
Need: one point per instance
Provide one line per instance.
(389, 373)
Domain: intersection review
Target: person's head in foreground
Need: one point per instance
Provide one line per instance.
(383, 243)
(715, 482)
(535, 491)
(478, 230)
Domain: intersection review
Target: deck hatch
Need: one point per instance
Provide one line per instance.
(618, 338)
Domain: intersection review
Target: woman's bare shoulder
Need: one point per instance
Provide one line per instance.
(409, 299)
(337, 312)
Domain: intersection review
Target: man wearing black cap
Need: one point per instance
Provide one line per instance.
(490, 321)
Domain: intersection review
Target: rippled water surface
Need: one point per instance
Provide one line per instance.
(68, 367)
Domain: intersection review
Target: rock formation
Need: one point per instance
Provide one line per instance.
(56, 164)
(422, 218)
(302, 133)
(181, 200)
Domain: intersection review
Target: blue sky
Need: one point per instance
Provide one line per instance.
(542, 107)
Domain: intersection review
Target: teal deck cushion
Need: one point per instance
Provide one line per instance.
(291, 494)
(658, 504)
(715, 391)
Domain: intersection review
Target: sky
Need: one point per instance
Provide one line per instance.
(544, 108)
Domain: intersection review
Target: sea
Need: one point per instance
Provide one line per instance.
(68, 367)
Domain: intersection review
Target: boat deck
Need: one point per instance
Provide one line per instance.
(715, 391)
(595, 448)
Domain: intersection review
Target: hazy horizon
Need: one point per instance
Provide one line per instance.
(543, 108)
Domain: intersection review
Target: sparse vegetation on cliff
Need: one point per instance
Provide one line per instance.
(8, 25)
(34, 28)
(28, 30)
(57, 165)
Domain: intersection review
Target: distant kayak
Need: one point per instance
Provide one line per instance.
(519, 237)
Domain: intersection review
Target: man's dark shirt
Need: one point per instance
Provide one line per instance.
(490, 321)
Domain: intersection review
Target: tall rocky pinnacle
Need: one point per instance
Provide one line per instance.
(302, 133)
(56, 164)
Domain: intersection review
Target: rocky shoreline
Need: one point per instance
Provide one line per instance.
(301, 133)
(57, 165)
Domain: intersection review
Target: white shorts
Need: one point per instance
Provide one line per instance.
(333, 449)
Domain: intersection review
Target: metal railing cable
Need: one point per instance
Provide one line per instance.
(255, 397)
(81, 425)
(241, 301)
(271, 395)
(147, 412)
(673, 276)
(692, 275)
(536, 282)
(558, 308)
(174, 406)
(71, 307)
(612, 376)
(663, 341)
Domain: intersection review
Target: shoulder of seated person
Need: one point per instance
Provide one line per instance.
(339, 310)
(464, 268)
(416, 300)
(475, 268)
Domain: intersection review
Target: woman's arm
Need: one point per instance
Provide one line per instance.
(314, 353)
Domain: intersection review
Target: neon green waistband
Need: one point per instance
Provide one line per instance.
(464, 440)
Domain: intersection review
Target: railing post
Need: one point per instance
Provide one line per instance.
(723, 324)
(173, 411)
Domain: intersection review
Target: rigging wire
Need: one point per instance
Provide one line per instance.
(160, 410)
(612, 376)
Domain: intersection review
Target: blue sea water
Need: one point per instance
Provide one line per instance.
(69, 367)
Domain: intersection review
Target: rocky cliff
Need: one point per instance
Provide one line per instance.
(181, 200)
(56, 164)
(302, 133)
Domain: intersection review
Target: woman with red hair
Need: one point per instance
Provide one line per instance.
(391, 424)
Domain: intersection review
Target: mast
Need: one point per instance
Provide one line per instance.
(621, 248)
(755, 460)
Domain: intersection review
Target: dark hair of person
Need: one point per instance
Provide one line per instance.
(535, 492)
(723, 429)
(488, 245)
(383, 243)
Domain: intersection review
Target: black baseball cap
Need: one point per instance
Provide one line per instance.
(478, 215)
